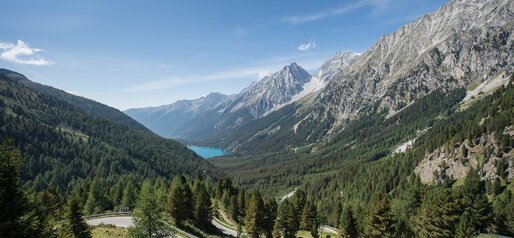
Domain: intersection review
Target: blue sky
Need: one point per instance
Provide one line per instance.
(146, 53)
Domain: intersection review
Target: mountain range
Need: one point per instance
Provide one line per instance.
(216, 115)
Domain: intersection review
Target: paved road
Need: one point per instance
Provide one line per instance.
(227, 231)
(329, 229)
(117, 221)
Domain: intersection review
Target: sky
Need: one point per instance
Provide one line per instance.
(135, 53)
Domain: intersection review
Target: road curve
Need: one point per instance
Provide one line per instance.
(117, 221)
(227, 231)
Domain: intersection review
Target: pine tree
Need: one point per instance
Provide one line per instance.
(466, 227)
(287, 219)
(179, 200)
(270, 215)
(378, 221)
(309, 218)
(348, 224)
(129, 196)
(299, 200)
(202, 207)
(254, 215)
(481, 211)
(147, 216)
(437, 215)
(95, 202)
(241, 201)
(75, 225)
(233, 210)
(19, 217)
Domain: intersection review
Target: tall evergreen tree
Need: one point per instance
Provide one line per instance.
(378, 221)
(348, 224)
(254, 215)
(75, 226)
(299, 200)
(95, 202)
(437, 215)
(129, 196)
(270, 215)
(202, 207)
(148, 221)
(19, 217)
(288, 222)
(466, 227)
(180, 200)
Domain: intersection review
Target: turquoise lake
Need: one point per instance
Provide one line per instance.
(206, 152)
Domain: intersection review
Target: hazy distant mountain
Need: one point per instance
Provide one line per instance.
(216, 113)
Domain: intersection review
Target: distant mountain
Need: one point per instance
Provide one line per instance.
(185, 117)
(68, 139)
(216, 113)
(326, 73)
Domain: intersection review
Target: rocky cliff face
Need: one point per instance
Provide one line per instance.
(326, 73)
(463, 42)
(455, 161)
(272, 91)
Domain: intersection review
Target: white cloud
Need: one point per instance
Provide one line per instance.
(336, 11)
(307, 46)
(21, 53)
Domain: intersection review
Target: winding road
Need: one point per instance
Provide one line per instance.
(116, 221)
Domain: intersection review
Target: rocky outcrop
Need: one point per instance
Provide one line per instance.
(455, 161)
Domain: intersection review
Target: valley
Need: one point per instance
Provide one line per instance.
(413, 137)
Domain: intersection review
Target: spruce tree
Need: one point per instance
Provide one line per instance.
(75, 226)
(378, 221)
(148, 221)
(287, 219)
(95, 202)
(270, 215)
(202, 207)
(19, 216)
(437, 215)
(254, 215)
(481, 211)
(180, 202)
(129, 196)
(299, 200)
(466, 227)
(348, 224)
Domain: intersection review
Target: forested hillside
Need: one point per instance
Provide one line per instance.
(66, 145)
(363, 160)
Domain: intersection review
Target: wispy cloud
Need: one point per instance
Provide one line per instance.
(252, 72)
(307, 46)
(21, 53)
(341, 10)
(257, 70)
